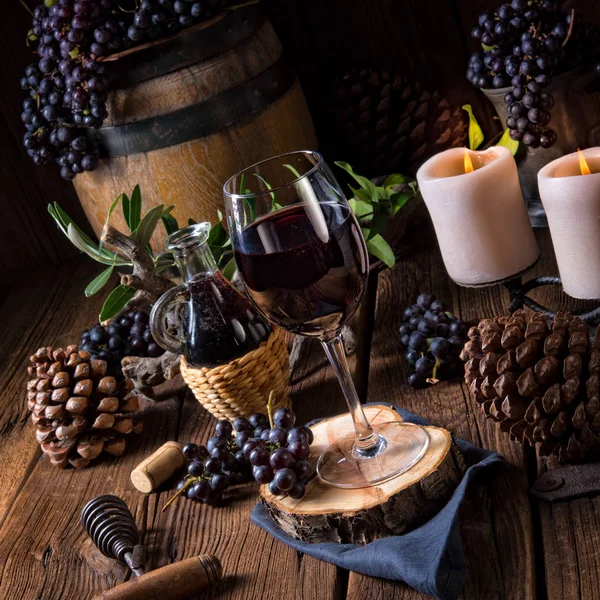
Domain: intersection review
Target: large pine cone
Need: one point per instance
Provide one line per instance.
(540, 379)
(386, 122)
(78, 410)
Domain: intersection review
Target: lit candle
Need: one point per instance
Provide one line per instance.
(570, 192)
(479, 215)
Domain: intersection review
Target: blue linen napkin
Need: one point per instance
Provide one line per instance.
(429, 558)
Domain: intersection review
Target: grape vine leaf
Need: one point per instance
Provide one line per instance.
(116, 301)
(99, 282)
(228, 270)
(506, 140)
(379, 248)
(475, 131)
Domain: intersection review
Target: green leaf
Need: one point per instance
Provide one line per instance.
(105, 257)
(486, 47)
(148, 224)
(135, 209)
(506, 140)
(228, 270)
(293, 170)
(98, 282)
(219, 214)
(379, 220)
(475, 132)
(364, 182)
(243, 184)
(170, 223)
(360, 208)
(110, 212)
(192, 222)
(399, 200)
(116, 301)
(251, 204)
(268, 186)
(379, 248)
(364, 195)
(394, 179)
(217, 236)
(126, 206)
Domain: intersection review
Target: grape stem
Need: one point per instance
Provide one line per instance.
(270, 409)
(570, 28)
(187, 484)
(26, 7)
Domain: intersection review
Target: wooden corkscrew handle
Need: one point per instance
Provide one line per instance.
(178, 581)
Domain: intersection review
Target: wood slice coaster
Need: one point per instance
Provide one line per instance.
(359, 516)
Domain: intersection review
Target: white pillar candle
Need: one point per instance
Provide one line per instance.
(572, 203)
(479, 216)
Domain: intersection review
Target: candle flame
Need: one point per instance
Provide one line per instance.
(468, 162)
(585, 169)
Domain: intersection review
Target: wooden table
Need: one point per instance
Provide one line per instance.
(516, 547)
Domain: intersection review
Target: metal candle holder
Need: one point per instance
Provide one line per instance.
(518, 297)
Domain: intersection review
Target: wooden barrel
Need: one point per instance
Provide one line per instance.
(192, 110)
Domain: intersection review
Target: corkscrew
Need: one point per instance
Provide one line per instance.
(111, 526)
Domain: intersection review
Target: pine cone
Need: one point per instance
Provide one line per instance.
(78, 410)
(540, 379)
(387, 123)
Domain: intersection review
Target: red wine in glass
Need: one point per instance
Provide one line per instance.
(308, 285)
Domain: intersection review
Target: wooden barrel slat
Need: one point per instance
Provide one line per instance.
(186, 164)
(196, 120)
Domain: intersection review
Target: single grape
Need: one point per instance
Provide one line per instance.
(241, 424)
(242, 437)
(297, 491)
(262, 474)
(220, 452)
(412, 356)
(285, 479)
(219, 482)
(190, 451)
(297, 433)
(284, 417)
(223, 429)
(440, 348)
(212, 465)
(250, 445)
(417, 341)
(201, 490)
(299, 449)
(215, 442)
(424, 367)
(417, 381)
(180, 485)
(258, 420)
(301, 468)
(278, 435)
(195, 468)
(274, 489)
(259, 456)
(241, 460)
(281, 457)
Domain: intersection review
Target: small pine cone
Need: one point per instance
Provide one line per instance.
(541, 384)
(78, 411)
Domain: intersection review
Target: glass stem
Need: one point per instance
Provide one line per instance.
(367, 442)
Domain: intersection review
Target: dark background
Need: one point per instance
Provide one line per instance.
(425, 40)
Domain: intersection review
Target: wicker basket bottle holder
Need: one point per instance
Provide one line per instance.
(242, 387)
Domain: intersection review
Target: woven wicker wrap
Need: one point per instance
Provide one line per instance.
(242, 387)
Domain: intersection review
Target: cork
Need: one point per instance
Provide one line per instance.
(158, 467)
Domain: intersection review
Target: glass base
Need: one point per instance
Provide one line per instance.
(405, 444)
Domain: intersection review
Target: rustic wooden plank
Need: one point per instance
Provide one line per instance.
(43, 308)
(496, 521)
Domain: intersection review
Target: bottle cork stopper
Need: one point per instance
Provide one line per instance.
(158, 467)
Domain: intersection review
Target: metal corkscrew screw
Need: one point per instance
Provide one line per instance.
(111, 526)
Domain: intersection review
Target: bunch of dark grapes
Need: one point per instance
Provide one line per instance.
(67, 85)
(433, 339)
(250, 449)
(128, 335)
(525, 43)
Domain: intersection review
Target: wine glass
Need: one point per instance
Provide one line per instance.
(304, 263)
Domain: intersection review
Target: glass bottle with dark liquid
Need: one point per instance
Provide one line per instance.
(215, 324)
